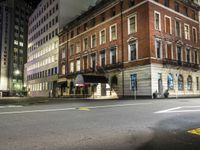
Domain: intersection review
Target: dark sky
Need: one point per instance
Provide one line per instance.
(34, 3)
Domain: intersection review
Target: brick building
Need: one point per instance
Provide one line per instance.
(131, 48)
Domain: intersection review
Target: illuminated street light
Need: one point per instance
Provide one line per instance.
(17, 72)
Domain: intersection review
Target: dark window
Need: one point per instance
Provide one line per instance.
(131, 3)
(188, 55)
(166, 3)
(103, 58)
(113, 55)
(113, 11)
(186, 11)
(189, 83)
(103, 17)
(177, 6)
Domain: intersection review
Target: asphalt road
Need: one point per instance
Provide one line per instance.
(102, 125)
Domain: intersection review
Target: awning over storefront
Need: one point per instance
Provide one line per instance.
(84, 79)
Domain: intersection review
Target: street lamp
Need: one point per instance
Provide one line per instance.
(17, 72)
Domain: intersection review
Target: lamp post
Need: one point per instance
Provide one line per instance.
(17, 73)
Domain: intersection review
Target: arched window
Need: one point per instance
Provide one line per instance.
(170, 82)
(180, 83)
(189, 83)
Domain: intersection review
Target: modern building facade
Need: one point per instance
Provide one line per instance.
(48, 18)
(13, 44)
(132, 48)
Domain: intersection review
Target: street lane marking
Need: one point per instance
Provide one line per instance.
(183, 109)
(195, 131)
(11, 106)
(84, 109)
(167, 110)
(74, 108)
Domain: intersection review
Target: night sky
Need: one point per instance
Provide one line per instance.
(34, 3)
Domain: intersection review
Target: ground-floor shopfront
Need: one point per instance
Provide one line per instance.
(141, 81)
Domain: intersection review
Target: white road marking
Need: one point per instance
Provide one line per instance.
(167, 110)
(66, 109)
(183, 109)
(11, 106)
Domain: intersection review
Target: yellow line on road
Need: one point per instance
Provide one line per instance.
(195, 131)
(84, 109)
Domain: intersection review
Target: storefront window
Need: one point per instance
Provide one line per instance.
(170, 82)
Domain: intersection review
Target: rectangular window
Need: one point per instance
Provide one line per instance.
(103, 36)
(113, 32)
(188, 55)
(178, 28)
(134, 82)
(93, 41)
(78, 47)
(187, 31)
(194, 33)
(71, 67)
(93, 62)
(179, 54)
(71, 50)
(132, 51)
(78, 65)
(166, 3)
(131, 3)
(157, 21)
(103, 58)
(177, 6)
(196, 57)
(85, 63)
(85, 43)
(168, 28)
(158, 48)
(197, 82)
(113, 55)
(63, 53)
(132, 24)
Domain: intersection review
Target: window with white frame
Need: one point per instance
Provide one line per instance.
(78, 65)
(93, 41)
(157, 20)
(132, 50)
(168, 26)
(71, 67)
(103, 57)
(188, 55)
(158, 48)
(85, 44)
(103, 36)
(194, 34)
(78, 47)
(113, 32)
(113, 55)
(132, 24)
(71, 49)
(178, 28)
(187, 31)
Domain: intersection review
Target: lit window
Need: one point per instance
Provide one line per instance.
(78, 47)
(187, 31)
(78, 65)
(71, 67)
